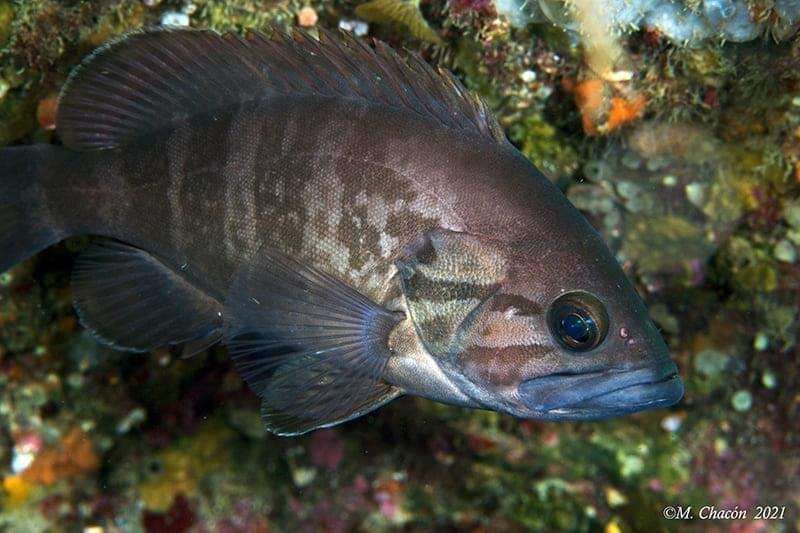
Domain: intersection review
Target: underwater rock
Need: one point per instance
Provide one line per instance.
(711, 362)
(677, 23)
(788, 10)
(681, 21)
(731, 20)
(666, 200)
(398, 466)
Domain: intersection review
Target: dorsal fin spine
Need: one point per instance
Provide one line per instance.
(152, 79)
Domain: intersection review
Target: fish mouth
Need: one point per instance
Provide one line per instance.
(605, 394)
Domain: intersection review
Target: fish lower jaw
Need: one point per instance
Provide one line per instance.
(644, 390)
(588, 413)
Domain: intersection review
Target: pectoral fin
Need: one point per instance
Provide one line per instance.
(310, 346)
(447, 277)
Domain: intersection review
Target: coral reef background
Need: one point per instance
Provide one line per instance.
(683, 151)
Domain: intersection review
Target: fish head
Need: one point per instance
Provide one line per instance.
(547, 329)
(568, 341)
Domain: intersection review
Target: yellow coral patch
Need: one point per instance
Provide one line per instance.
(17, 490)
(184, 465)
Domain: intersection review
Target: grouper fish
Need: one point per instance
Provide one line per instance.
(351, 223)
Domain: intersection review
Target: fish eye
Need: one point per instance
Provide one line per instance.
(578, 321)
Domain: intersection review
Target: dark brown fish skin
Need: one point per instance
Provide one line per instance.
(210, 192)
(357, 189)
(205, 196)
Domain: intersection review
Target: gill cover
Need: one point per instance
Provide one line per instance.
(448, 277)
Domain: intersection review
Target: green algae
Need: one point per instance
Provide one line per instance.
(544, 146)
(17, 116)
(223, 15)
(7, 15)
(654, 242)
(405, 13)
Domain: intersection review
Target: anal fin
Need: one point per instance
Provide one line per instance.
(131, 300)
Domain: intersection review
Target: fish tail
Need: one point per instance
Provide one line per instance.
(26, 226)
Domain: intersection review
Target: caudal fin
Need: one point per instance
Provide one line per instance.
(25, 225)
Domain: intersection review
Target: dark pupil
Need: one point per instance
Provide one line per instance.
(578, 328)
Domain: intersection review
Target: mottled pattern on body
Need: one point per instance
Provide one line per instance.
(343, 213)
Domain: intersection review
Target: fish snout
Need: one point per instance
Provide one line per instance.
(603, 394)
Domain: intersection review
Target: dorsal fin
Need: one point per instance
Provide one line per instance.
(151, 79)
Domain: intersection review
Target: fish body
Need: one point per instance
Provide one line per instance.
(352, 225)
